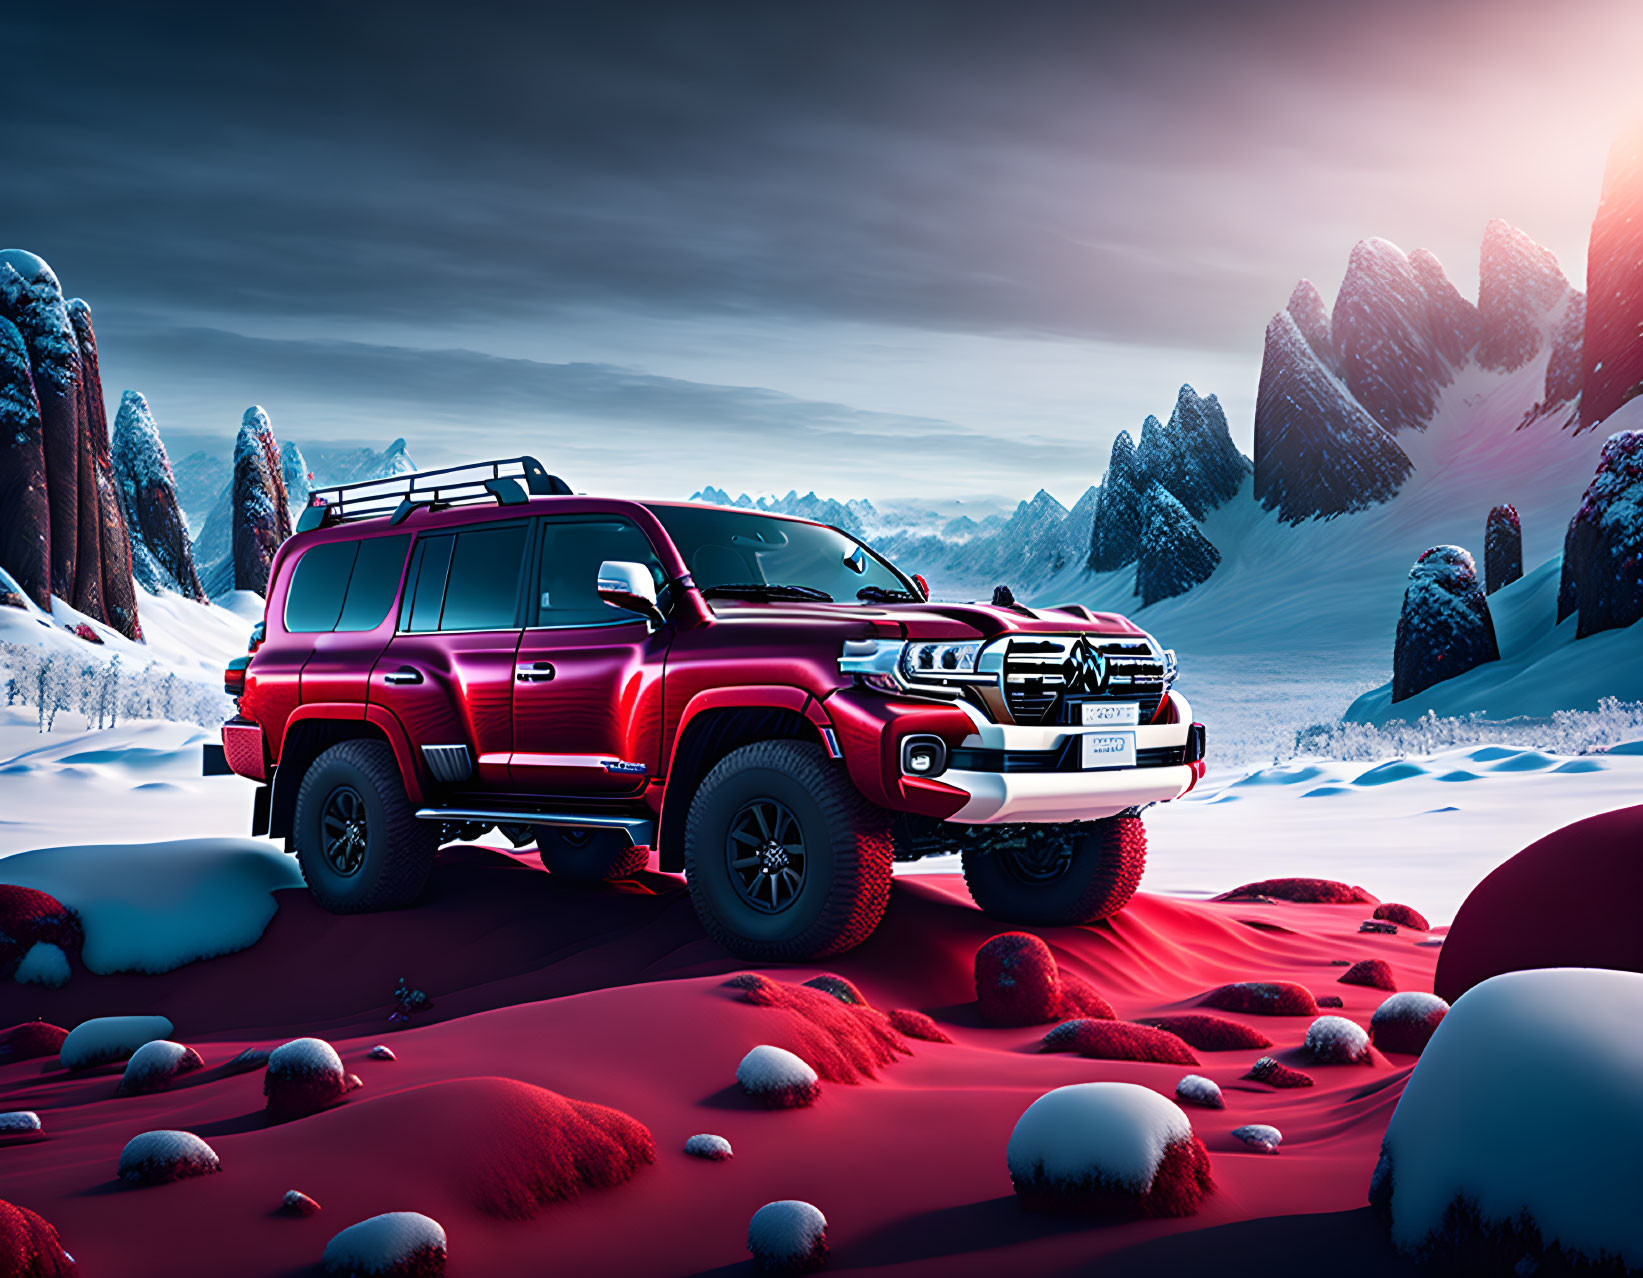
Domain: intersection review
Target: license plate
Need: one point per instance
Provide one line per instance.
(1107, 713)
(1107, 750)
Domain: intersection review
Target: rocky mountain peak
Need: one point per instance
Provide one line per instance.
(1519, 284)
(1381, 325)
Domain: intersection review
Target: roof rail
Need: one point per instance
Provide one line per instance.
(397, 496)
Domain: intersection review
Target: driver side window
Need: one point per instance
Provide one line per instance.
(567, 594)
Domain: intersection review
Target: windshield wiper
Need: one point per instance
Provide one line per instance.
(765, 590)
(878, 594)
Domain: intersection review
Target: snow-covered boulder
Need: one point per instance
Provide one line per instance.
(706, 1145)
(156, 1158)
(1445, 628)
(787, 1237)
(382, 1052)
(1374, 973)
(1517, 1132)
(1174, 555)
(297, 1203)
(106, 1039)
(162, 556)
(405, 1244)
(1274, 1073)
(1262, 1137)
(1406, 1022)
(153, 1065)
(304, 1076)
(1604, 549)
(777, 1079)
(1502, 549)
(1195, 1089)
(19, 1122)
(1108, 1149)
(1334, 1040)
(44, 964)
(30, 1247)
(1017, 982)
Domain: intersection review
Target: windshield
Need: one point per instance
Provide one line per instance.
(733, 553)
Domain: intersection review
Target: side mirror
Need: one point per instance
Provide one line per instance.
(629, 586)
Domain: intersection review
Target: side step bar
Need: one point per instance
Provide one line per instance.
(641, 831)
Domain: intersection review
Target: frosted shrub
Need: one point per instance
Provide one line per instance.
(1566, 732)
(103, 690)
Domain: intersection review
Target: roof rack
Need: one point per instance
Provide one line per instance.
(398, 495)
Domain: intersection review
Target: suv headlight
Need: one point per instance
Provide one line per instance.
(927, 666)
(922, 659)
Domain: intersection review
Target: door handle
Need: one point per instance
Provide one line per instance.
(405, 674)
(534, 671)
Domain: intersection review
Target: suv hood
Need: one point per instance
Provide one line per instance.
(928, 620)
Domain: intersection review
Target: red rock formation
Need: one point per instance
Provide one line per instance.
(1612, 361)
(261, 521)
(25, 512)
(113, 543)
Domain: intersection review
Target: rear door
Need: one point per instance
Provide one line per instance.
(587, 696)
(342, 595)
(448, 671)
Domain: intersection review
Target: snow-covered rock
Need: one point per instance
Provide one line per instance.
(153, 1065)
(1611, 356)
(840, 988)
(29, 916)
(43, 964)
(25, 535)
(787, 1237)
(1259, 1136)
(1108, 1148)
(708, 1146)
(19, 1122)
(298, 479)
(1502, 549)
(1334, 1040)
(304, 1076)
(1519, 285)
(1519, 1128)
(1206, 467)
(1382, 326)
(1605, 544)
(297, 1203)
(101, 516)
(156, 1158)
(1174, 554)
(382, 1052)
(162, 555)
(1445, 628)
(106, 1039)
(1272, 1072)
(1406, 1022)
(1453, 321)
(1306, 307)
(776, 1078)
(405, 1244)
(1195, 1089)
(261, 518)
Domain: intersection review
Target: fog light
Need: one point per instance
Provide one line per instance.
(923, 756)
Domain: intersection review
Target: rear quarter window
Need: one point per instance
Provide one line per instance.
(345, 585)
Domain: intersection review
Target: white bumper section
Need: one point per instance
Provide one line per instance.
(999, 797)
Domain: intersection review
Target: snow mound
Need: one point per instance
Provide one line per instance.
(304, 1076)
(154, 907)
(1118, 1041)
(1407, 1021)
(1301, 891)
(405, 1244)
(29, 916)
(1108, 1149)
(106, 1039)
(844, 1042)
(1195, 1089)
(382, 1052)
(1259, 1136)
(917, 1025)
(1517, 1133)
(1209, 1033)
(838, 987)
(1263, 998)
(44, 964)
(1268, 1070)
(19, 1122)
(787, 1237)
(706, 1145)
(153, 1065)
(297, 1203)
(1375, 973)
(1016, 981)
(156, 1158)
(30, 1040)
(777, 1079)
(1403, 916)
(1334, 1040)
(29, 1246)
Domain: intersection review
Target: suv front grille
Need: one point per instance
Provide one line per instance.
(1040, 673)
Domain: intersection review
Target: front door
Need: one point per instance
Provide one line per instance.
(448, 671)
(587, 692)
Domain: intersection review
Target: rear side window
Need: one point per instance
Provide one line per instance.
(344, 585)
(467, 580)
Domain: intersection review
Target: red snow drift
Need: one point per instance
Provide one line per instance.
(1016, 981)
(842, 1042)
(1118, 1041)
(1375, 973)
(29, 1246)
(1303, 891)
(1263, 998)
(1568, 900)
(28, 917)
(917, 1025)
(29, 1040)
(1208, 1033)
(1178, 1187)
(1403, 916)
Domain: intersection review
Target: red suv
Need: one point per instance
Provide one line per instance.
(760, 702)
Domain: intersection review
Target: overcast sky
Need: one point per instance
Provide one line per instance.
(877, 249)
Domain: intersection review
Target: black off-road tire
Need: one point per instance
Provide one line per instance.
(1097, 882)
(846, 880)
(589, 856)
(398, 850)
